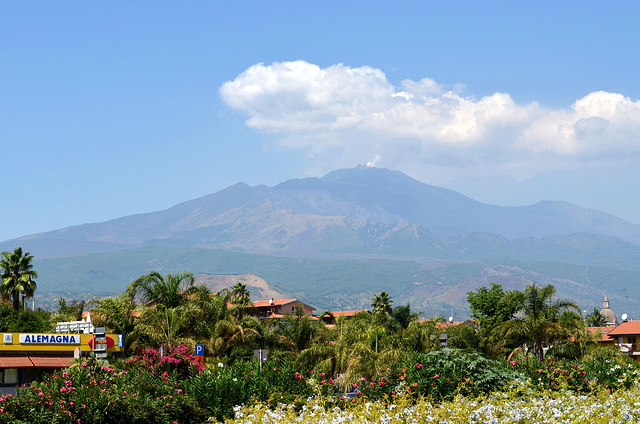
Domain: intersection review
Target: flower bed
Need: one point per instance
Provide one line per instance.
(520, 406)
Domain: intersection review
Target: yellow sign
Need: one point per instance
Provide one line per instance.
(52, 342)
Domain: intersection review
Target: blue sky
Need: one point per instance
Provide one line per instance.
(120, 108)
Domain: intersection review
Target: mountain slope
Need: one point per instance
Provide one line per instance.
(360, 211)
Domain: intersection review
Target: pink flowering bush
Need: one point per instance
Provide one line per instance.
(176, 360)
(89, 392)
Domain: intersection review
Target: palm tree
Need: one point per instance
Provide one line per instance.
(17, 276)
(169, 291)
(118, 314)
(540, 319)
(381, 303)
(240, 295)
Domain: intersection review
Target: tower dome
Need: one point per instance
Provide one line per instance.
(610, 317)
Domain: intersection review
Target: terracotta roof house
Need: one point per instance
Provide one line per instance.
(602, 334)
(626, 336)
(278, 308)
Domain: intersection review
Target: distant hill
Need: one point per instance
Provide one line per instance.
(434, 287)
(345, 226)
(258, 288)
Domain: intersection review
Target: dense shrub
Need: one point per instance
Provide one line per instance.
(89, 392)
(221, 389)
(441, 375)
(579, 376)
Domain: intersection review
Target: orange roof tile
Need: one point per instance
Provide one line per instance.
(347, 313)
(50, 361)
(276, 302)
(15, 361)
(603, 331)
(626, 328)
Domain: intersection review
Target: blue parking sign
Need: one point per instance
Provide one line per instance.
(199, 350)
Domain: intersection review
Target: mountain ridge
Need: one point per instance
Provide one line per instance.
(297, 213)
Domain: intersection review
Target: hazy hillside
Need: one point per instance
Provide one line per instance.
(432, 287)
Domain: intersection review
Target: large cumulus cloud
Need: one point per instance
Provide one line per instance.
(344, 116)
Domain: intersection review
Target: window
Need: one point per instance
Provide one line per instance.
(632, 340)
(9, 376)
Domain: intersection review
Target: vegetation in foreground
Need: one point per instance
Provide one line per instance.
(445, 384)
(378, 362)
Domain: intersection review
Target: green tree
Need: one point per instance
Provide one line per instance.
(240, 295)
(381, 303)
(493, 306)
(118, 315)
(7, 316)
(17, 277)
(596, 319)
(71, 311)
(403, 316)
(542, 320)
(27, 320)
(169, 291)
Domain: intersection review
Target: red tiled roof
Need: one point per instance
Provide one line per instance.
(15, 361)
(627, 328)
(276, 302)
(346, 313)
(49, 361)
(603, 331)
(448, 324)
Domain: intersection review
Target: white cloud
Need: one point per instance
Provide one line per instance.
(345, 116)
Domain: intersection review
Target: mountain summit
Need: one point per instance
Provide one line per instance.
(363, 210)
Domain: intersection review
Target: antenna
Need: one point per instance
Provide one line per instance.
(624, 317)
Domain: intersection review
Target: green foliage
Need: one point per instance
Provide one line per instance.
(542, 320)
(7, 316)
(170, 291)
(493, 306)
(27, 321)
(17, 277)
(402, 316)
(443, 374)
(223, 388)
(70, 311)
(381, 303)
(151, 388)
(596, 319)
(588, 376)
(464, 337)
